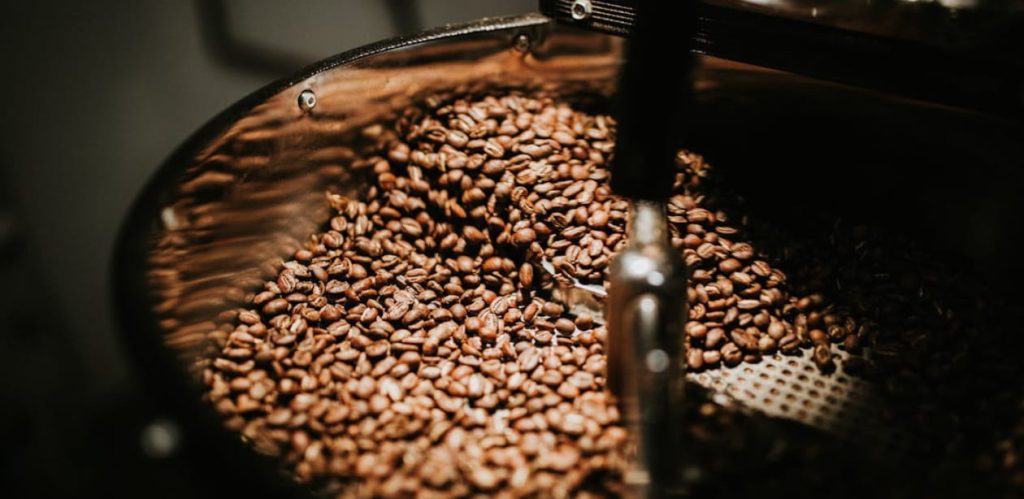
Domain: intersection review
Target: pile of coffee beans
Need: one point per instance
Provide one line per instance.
(411, 345)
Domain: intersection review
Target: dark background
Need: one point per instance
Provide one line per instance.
(97, 95)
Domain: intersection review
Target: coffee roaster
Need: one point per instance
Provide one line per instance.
(902, 115)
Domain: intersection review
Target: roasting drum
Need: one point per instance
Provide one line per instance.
(247, 189)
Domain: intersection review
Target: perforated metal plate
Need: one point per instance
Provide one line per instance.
(793, 387)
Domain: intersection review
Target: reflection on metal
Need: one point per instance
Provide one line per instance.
(307, 100)
(522, 43)
(581, 10)
(646, 310)
(657, 359)
(578, 297)
(160, 438)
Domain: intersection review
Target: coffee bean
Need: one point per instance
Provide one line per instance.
(551, 308)
(729, 265)
(275, 306)
(731, 354)
(584, 322)
(776, 330)
(748, 304)
(818, 336)
(524, 236)
(474, 235)
(711, 357)
(743, 340)
(822, 356)
(789, 343)
(526, 275)
(694, 358)
(565, 325)
(714, 337)
(742, 251)
(696, 329)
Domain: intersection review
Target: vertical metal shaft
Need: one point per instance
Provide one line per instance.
(646, 306)
(646, 312)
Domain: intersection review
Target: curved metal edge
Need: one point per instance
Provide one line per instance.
(161, 372)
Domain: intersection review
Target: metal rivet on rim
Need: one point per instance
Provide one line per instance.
(522, 43)
(581, 9)
(307, 100)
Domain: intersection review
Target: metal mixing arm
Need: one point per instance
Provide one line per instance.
(646, 306)
(646, 312)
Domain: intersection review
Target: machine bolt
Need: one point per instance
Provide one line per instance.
(307, 100)
(522, 43)
(581, 9)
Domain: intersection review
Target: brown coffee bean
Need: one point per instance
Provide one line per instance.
(748, 304)
(742, 251)
(565, 326)
(711, 357)
(789, 343)
(584, 322)
(714, 337)
(694, 358)
(473, 235)
(275, 306)
(492, 264)
(731, 354)
(598, 220)
(729, 265)
(696, 329)
(818, 336)
(776, 330)
(743, 340)
(551, 308)
(525, 275)
(524, 237)
(822, 356)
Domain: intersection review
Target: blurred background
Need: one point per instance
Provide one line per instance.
(100, 93)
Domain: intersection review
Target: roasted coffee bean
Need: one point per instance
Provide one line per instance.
(696, 329)
(694, 358)
(526, 275)
(524, 236)
(711, 357)
(275, 307)
(822, 356)
(730, 265)
(732, 354)
(565, 325)
(584, 322)
(714, 337)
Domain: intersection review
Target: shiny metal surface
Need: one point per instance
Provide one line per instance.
(646, 310)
